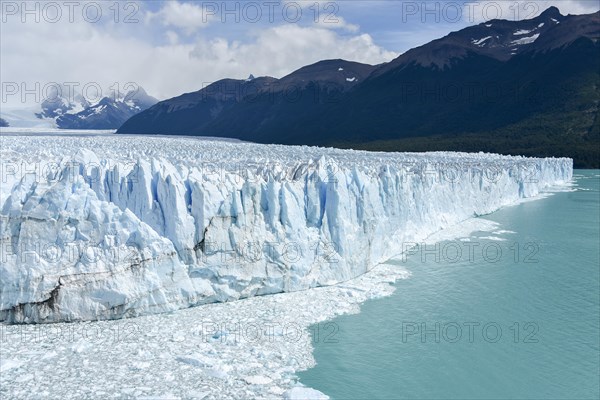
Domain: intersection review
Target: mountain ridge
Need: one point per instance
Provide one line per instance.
(488, 80)
(110, 112)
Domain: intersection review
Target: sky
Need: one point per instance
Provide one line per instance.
(173, 47)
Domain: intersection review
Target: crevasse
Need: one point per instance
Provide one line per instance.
(110, 227)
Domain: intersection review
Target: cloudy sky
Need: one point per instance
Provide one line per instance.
(172, 47)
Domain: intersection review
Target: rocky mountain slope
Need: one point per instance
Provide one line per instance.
(527, 87)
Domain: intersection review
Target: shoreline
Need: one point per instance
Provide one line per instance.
(210, 351)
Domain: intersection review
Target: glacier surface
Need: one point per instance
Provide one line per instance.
(106, 227)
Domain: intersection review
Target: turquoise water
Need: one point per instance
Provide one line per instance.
(545, 299)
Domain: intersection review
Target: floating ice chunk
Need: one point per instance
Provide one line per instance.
(258, 380)
(24, 378)
(197, 395)
(503, 232)
(493, 238)
(304, 393)
(216, 373)
(140, 365)
(196, 361)
(177, 338)
(49, 354)
(6, 364)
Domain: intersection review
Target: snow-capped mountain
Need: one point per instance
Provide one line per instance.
(497, 39)
(60, 101)
(515, 87)
(108, 113)
(501, 39)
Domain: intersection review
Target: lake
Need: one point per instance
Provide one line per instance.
(508, 314)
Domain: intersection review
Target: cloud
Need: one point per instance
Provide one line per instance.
(279, 50)
(176, 47)
(165, 62)
(172, 37)
(186, 16)
(325, 14)
(335, 22)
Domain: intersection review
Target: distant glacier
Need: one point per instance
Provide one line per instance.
(105, 227)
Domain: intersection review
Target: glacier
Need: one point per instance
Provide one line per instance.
(107, 227)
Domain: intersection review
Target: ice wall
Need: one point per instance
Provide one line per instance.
(111, 227)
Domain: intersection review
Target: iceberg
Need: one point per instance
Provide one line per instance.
(105, 227)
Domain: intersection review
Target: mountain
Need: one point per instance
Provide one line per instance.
(108, 113)
(527, 87)
(3, 123)
(59, 101)
(496, 39)
(193, 112)
(252, 100)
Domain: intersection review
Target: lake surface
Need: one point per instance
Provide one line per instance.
(509, 314)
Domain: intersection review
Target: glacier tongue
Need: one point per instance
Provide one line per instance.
(111, 227)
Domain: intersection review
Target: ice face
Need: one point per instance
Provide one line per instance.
(111, 227)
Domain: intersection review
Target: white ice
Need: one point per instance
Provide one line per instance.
(106, 192)
(105, 227)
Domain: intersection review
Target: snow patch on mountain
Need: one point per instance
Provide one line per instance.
(526, 40)
(480, 41)
(523, 32)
